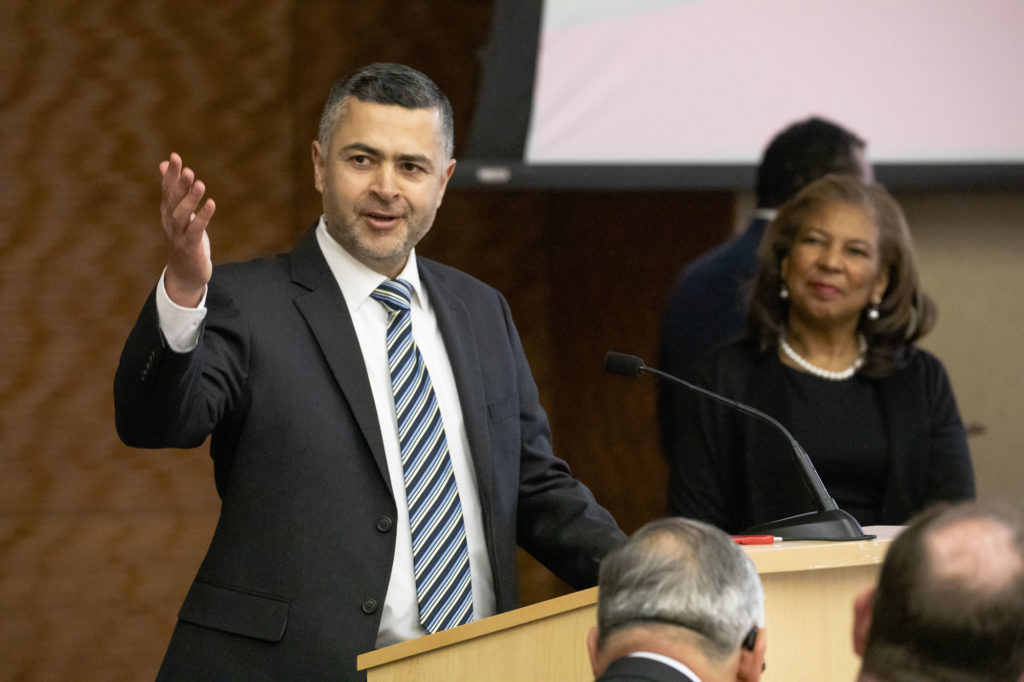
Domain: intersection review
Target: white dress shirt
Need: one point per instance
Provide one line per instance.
(400, 616)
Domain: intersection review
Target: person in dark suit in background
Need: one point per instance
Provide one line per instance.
(680, 601)
(707, 305)
(294, 365)
(949, 604)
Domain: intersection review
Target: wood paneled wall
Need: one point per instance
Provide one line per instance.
(98, 542)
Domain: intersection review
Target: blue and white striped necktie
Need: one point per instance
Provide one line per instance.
(439, 551)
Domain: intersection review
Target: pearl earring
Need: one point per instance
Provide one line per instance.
(873, 313)
(783, 292)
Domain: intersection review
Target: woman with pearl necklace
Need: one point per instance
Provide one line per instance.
(834, 316)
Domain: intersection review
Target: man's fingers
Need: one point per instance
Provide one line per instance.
(185, 216)
(200, 220)
(182, 209)
(194, 223)
(170, 170)
(177, 182)
(166, 164)
(206, 212)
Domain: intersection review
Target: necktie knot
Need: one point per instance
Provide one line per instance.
(393, 294)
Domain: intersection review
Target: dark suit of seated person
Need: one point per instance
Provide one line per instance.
(949, 604)
(679, 601)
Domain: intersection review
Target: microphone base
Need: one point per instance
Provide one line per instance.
(831, 524)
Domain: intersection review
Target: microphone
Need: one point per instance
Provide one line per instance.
(829, 522)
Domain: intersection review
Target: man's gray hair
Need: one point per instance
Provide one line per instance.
(392, 84)
(682, 572)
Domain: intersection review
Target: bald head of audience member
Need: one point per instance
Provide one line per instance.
(949, 604)
(684, 590)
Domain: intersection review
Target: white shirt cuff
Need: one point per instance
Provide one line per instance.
(180, 325)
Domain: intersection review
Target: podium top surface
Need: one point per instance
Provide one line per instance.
(479, 628)
(804, 555)
(781, 557)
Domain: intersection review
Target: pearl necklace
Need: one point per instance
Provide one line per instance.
(825, 373)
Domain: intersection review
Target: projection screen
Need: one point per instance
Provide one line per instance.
(663, 93)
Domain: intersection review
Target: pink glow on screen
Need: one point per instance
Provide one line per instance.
(706, 81)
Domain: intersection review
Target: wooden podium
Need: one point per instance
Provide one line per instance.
(809, 589)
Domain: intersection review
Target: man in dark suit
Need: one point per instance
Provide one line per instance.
(707, 306)
(679, 602)
(949, 604)
(294, 365)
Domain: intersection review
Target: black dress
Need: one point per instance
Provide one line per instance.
(884, 448)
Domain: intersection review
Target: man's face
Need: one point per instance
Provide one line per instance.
(382, 180)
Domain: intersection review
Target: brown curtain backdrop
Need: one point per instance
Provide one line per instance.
(98, 542)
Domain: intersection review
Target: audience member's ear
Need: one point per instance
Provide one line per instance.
(592, 650)
(862, 607)
(752, 661)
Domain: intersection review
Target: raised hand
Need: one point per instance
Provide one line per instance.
(184, 221)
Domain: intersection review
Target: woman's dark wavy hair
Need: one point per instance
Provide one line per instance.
(906, 313)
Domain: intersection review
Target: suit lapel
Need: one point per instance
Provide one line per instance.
(456, 325)
(326, 313)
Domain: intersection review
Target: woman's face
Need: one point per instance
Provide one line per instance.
(834, 268)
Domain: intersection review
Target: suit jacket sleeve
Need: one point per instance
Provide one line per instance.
(558, 521)
(168, 399)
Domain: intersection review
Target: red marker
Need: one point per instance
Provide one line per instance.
(756, 539)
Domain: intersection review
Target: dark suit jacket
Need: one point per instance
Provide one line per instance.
(642, 670)
(296, 573)
(706, 308)
(734, 471)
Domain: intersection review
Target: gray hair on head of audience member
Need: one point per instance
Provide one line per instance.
(681, 572)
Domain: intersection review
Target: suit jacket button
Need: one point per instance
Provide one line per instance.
(369, 606)
(384, 524)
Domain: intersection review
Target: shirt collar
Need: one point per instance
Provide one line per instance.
(671, 662)
(356, 280)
